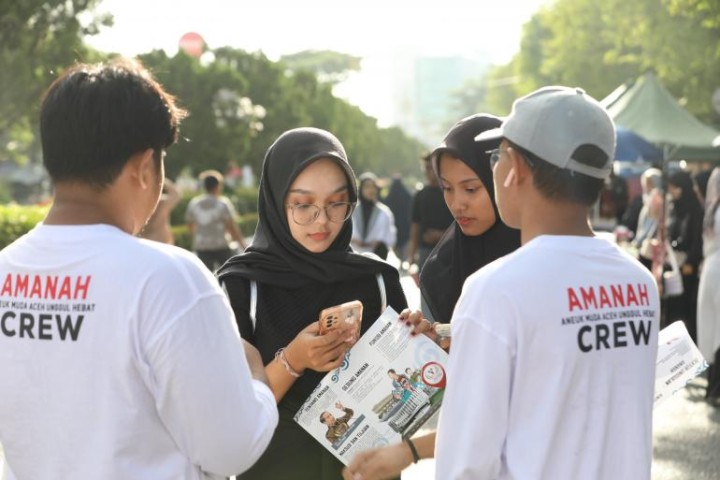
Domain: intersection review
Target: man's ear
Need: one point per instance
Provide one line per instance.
(520, 168)
(142, 168)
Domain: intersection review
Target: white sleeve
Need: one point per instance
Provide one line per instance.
(474, 416)
(220, 417)
(383, 228)
(231, 212)
(391, 229)
(356, 219)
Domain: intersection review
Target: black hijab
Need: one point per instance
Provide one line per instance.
(457, 255)
(688, 201)
(275, 257)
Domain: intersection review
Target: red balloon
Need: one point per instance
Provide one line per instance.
(192, 44)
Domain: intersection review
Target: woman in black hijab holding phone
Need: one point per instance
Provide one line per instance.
(299, 263)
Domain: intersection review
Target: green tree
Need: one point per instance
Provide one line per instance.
(220, 127)
(327, 65)
(37, 39)
(600, 45)
(240, 102)
(707, 12)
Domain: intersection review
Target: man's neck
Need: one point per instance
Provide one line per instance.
(546, 217)
(80, 204)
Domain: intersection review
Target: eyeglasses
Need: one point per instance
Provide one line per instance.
(307, 213)
(495, 158)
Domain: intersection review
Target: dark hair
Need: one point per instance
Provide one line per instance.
(561, 184)
(93, 118)
(322, 416)
(211, 179)
(682, 179)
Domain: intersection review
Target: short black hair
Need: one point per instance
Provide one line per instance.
(93, 118)
(561, 184)
(211, 179)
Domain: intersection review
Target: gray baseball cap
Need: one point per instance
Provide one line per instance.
(563, 126)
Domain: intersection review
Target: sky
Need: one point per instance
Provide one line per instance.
(381, 31)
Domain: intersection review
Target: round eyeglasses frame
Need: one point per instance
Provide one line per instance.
(315, 209)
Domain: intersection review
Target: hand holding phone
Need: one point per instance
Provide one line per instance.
(344, 317)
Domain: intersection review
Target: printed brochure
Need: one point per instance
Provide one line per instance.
(678, 361)
(388, 386)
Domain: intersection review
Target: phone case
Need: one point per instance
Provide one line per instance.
(345, 316)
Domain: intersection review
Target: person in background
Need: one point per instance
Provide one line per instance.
(542, 384)
(211, 219)
(430, 217)
(299, 263)
(158, 228)
(476, 238)
(621, 196)
(701, 179)
(399, 201)
(373, 223)
(614, 198)
(649, 215)
(140, 373)
(708, 314)
(684, 232)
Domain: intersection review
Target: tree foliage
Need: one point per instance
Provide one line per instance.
(328, 66)
(37, 39)
(600, 45)
(284, 98)
(707, 12)
(239, 102)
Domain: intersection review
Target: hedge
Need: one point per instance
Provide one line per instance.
(16, 220)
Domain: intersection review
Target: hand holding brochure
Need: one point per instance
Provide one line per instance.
(678, 361)
(389, 385)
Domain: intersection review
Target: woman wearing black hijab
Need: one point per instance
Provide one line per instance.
(399, 201)
(373, 223)
(477, 236)
(301, 263)
(684, 231)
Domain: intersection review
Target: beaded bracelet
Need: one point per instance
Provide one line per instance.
(413, 450)
(280, 357)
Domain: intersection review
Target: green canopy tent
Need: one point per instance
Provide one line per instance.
(649, 110)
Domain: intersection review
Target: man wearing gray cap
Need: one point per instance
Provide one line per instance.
(560, 336)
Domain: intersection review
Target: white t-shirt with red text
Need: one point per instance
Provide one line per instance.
(121, 359)
(552, 366)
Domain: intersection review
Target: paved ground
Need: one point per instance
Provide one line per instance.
(686, 439)
(686, 436)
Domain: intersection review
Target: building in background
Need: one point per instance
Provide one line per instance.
(424, 87)
(400, 87)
